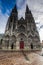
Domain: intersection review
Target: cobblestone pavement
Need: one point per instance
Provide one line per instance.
(17, 58)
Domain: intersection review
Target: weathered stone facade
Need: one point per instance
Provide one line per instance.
(22, 32)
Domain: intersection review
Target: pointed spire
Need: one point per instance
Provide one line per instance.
(27, 9)
(15, 9)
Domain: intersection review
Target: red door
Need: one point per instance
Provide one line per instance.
(21, 44)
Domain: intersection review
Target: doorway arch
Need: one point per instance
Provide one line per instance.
(31, 46)
(13, 41)
(22, 39)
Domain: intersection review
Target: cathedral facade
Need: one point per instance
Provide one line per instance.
(21, 33)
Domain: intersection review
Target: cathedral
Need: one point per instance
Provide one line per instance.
(21, 33)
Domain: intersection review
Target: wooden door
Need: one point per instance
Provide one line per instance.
(21, 44)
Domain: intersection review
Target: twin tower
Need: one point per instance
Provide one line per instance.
(22, 33)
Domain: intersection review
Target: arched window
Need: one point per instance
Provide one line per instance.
(30, 36)
(22, 36)
(21, 28)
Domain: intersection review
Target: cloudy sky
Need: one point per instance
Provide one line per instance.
(36, 7)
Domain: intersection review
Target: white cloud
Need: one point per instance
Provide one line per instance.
(21, 11)
(3, 21)
(20, 3)
(41, 34)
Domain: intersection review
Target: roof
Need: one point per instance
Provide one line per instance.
(22, 18)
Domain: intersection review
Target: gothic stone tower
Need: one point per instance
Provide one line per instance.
(22, 33)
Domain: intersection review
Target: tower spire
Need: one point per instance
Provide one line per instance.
(14, 9)
(27, 9)
(27, 13)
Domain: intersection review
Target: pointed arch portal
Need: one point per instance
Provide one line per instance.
(21, 38)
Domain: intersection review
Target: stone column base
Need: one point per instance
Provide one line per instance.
(17, 45)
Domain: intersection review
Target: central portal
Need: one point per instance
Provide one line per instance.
(21, 44)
